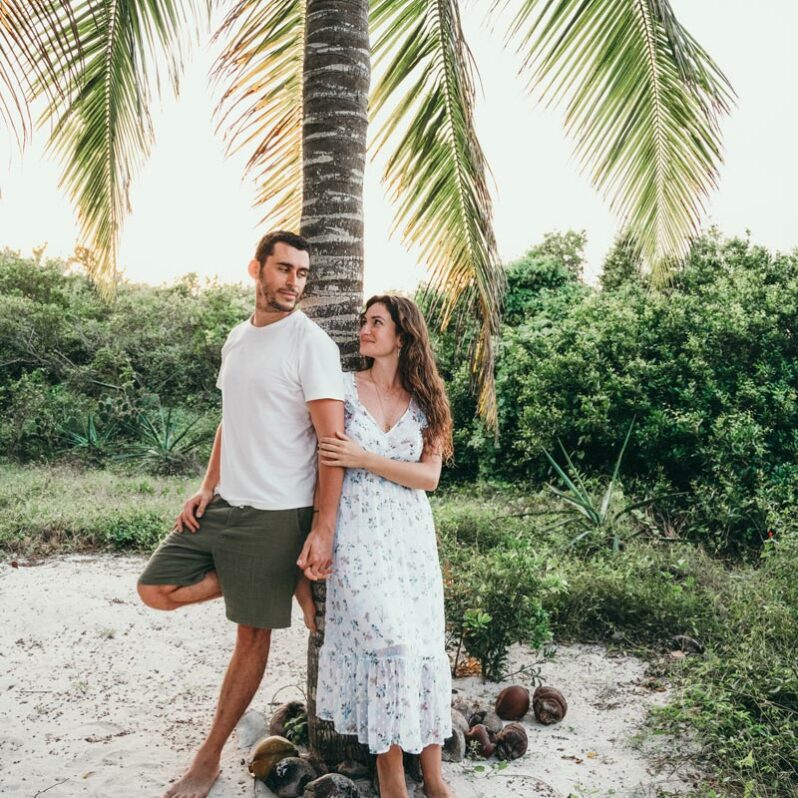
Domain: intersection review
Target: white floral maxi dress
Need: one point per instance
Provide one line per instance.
(383, 669)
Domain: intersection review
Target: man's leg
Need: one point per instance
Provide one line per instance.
(170, 597)
(241, 682)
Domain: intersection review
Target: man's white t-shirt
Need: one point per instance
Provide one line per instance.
(268, 374)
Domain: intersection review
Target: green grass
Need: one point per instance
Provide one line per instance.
(48, 510)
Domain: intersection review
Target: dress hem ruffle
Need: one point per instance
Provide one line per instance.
(386, 699)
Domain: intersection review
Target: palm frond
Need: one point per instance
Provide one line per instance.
(30, 49)
(261, 109)
(102, 129)
(436, 173)
(643, 104)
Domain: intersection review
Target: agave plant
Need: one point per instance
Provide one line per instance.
(593, 514)
(162, 443)
(91, 442)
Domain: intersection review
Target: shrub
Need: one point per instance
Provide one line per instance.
(65, 355)
(166, 442)
(741, 698)
(709, 368)
(623, 264)
(494, 600)
(648, 593)
(34, 415)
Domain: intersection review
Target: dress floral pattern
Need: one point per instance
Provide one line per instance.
(383, 670)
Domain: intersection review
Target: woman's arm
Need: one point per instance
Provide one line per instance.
(343, 452)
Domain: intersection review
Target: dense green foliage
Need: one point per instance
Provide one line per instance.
(708, 369)
(741, 697)
(738, 702)
(478, 582)
(93, 381)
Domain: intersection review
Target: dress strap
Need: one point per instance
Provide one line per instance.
(350, 387)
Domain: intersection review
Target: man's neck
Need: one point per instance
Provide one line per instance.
(262, 318)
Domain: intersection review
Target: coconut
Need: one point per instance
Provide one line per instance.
(549, 704)
(492, 722)
(283, 714)
(480, 735)
(512, 703)
(333, 785)
(288, 778)
(268, 752)
(511, 741)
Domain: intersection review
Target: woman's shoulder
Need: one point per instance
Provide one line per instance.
(350, 385)
(417, 412)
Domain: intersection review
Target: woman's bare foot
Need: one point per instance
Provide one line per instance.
(439, 790)
(304, 596)
(197, 780)
(434, 785)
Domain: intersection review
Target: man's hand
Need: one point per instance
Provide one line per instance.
(192, 510)
(315, 559)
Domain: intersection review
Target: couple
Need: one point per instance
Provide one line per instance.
(315, 474)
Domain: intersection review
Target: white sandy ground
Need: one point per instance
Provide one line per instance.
(100, 696)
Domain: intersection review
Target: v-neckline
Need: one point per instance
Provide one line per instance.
(368, 412)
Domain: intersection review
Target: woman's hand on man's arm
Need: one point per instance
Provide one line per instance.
(341, 451)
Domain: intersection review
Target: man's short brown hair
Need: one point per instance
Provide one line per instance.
(266, 244)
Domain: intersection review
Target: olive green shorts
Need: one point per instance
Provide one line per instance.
(253, 552)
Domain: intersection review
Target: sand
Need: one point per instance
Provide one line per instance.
(100, 696)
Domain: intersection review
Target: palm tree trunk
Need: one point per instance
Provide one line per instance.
(337, 72)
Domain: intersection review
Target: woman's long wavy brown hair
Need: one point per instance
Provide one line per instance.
(419, 372)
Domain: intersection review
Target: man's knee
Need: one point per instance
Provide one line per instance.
(253, 637)
(156, 596)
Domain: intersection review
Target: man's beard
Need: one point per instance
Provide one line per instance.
(273, 301)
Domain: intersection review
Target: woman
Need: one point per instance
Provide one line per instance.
(383, 670)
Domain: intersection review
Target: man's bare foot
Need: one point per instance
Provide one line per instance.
(304, 596)
(197, 780)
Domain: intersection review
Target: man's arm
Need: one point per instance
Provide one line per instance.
(327, 416)
(195, 506)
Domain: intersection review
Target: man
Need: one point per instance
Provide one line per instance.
(254, 517)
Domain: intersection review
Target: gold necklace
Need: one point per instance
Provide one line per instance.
(386, 426)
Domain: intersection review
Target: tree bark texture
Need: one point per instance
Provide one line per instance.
(337, 72)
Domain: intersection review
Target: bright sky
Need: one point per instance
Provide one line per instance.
(192, 208)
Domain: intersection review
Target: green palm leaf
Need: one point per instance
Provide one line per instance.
(29, 52)
(643, 103)
(262, 106)
(436, 172)
(102, 129)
